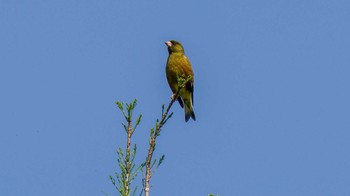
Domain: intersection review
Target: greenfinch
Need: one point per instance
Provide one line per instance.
(177, 66)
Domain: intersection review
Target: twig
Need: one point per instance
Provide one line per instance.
(159, 125)
(127, 159)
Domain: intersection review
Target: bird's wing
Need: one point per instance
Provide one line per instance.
(186, 69)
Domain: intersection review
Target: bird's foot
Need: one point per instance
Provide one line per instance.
(173, 96)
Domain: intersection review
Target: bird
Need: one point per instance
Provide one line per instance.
(178, 65)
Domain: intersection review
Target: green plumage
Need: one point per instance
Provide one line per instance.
(178, 65)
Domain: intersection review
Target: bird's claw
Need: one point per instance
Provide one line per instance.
(173, 96)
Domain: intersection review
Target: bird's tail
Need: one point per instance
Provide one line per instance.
(189, 112)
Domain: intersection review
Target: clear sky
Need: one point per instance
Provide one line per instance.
(271, 95)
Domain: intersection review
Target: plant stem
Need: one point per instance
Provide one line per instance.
(152, 145)
(181, 84)
(127, 160)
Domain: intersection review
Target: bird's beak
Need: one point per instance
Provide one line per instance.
(168, 43)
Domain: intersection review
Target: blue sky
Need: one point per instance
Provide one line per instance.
(271, 95)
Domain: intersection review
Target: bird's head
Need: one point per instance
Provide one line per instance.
(174, 46)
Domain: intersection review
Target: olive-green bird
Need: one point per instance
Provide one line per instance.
(178, 65)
